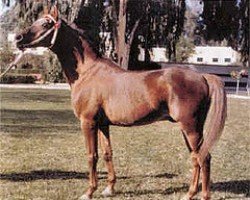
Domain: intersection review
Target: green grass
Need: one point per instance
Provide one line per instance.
(42, 153)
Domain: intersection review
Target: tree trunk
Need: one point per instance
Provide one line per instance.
(123, 45)
(75, 9)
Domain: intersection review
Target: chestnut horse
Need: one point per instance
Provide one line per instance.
(104, 94)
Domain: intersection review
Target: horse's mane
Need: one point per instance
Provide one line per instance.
(70, 40)
(87, 36)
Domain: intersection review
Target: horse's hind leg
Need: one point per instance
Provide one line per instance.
(193, 140)
(193, 189)
(107, 156)
(205, 170)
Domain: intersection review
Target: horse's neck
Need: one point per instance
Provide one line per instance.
(74, 55)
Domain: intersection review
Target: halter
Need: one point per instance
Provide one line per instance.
(55, 28)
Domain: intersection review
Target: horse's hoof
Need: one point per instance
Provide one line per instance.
(108, 192)
(84, 197)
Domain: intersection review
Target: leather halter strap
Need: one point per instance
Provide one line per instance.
(55, 28)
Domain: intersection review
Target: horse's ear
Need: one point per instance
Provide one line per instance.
(54, 12)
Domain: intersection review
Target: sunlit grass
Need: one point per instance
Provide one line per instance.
(43, 153)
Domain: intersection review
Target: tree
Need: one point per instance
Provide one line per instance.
(227, 21)
(6, 2)
(119, 22)
(243, 41)
(53, 72)
(157, 22)
(163, 24)
(184, 49)
(123, 38)
(6, 56)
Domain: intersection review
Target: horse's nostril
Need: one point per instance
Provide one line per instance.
(19, 37)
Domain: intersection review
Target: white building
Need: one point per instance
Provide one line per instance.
(157, 54)
(214, 56)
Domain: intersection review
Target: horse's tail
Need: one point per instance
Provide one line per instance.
(216, 114)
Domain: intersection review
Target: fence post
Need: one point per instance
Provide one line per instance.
(237, 86)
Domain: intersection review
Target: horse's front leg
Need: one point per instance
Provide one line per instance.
(89, 129)
(107, 156)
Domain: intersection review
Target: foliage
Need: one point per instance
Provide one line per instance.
(243, 41)
(160, 24)
(220, 20)
(10, 79)
(149, 23)
(6, 56)
(46, 64)
(169, 22)
(52, 70)
(184, 49)
(227, 20)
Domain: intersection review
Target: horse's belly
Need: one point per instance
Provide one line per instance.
(137, 115)
(126, 114)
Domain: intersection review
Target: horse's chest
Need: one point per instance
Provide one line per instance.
(85, 102)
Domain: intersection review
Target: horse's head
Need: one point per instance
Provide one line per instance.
(42, 33)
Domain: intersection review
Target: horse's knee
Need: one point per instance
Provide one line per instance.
(87, 124)
(207, 160)
(107, 156)
(93, 159)
(194, 158)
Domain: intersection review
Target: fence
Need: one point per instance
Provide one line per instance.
(223, 71)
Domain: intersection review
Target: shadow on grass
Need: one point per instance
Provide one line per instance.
(65, 175)
(33, 121)
(43, 175)
(240, 187)
(59, 116)
(236, 187)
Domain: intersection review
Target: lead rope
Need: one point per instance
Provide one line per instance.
(14, 63)
(20, 55)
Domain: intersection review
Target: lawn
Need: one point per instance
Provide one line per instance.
(43, 153)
